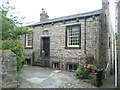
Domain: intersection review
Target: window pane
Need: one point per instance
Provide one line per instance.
(29, 40)
(73, 35)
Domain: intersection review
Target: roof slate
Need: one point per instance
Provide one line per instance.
(70, 17)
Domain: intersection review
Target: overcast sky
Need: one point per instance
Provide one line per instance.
(31, 9)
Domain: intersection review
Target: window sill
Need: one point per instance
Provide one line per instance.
(28, 47)
(72, 47)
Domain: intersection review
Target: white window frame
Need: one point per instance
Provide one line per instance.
(72, 27)
(26, 38)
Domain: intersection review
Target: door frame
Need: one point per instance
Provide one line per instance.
(41, 44)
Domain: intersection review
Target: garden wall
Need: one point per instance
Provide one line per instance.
(9, 70)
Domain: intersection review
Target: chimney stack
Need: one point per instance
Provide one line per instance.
(43, 16)
(105, 4)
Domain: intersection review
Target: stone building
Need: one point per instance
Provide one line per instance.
(58, 43)
(117, 71)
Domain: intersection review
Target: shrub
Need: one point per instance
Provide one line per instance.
(84, 70)
(17, 48)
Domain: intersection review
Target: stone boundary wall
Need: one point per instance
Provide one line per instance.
(9, 70)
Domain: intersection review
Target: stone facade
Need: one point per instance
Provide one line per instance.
(106, 48)
(105, 40)
(94, 37)
(9, 70)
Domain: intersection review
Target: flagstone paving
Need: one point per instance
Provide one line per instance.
(38, 77)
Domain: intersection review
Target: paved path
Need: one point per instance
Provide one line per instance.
(37, 77)
(109, 82)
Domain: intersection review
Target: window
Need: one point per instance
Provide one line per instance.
(71, 67)
(28, 61)
(109, 43)
(105, 20)
(73, 36)
(56, 65)
(29, 40)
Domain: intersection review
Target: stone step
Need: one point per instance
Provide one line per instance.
(40, 61)
(39, 64)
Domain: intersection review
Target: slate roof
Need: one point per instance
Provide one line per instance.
(70, 17)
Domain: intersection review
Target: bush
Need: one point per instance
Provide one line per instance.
(84, 70)
(16, 47)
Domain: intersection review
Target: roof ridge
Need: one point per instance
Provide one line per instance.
(85, 14)
(77, 14)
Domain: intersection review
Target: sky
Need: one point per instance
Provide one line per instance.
(31, 9)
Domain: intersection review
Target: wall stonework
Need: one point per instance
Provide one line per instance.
(56, 33)
(105, 57)
(57, 43)
(94, 39)
(9, 70)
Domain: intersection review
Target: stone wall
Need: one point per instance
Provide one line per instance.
(105, 40)
(92, 37)
(9, 70)
(103, 46)
(57, 38)
(56, 33)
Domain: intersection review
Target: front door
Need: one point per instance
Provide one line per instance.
(46, 46)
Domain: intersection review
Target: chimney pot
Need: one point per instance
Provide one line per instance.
(43, 16)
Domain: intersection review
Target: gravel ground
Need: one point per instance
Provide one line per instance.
(74, 84)
(77, 84)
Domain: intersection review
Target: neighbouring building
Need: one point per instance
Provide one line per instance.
(117, 71)
(58, 43)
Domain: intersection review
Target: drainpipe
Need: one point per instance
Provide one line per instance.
(85, 38)
(116, 70)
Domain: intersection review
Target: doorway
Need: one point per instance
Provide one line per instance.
(45, 46)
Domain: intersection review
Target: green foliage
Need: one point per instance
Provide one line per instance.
(94, 67)
(12, 32)
(17, 48)
(84, 71)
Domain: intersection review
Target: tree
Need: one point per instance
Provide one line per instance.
(12, 31)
